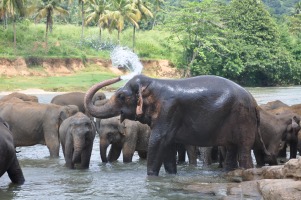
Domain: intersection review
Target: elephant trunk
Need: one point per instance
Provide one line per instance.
(103, 150)
(78, 148)
(99, 111)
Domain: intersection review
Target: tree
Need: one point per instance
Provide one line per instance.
(47, 9)
(98, 11)
(123, 11)
(13, 8)
(144, 12)
(157, 6)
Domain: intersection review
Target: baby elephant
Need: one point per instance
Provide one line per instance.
(128, 137)
(77, 134)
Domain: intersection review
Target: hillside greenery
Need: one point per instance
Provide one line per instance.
(252, 42)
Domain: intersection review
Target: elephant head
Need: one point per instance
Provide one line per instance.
(126, 102)
(110, 131)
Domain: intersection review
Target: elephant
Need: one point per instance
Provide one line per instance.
(8, 159)
(291, 139)
(77, 135)
(127, 136)
(273, 105)
(76, 98)
(21, 96)
(275, 130)
(201, 111)
(34, 123)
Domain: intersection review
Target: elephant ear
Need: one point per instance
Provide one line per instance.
(139, 110)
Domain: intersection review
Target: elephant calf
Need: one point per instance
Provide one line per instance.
(128, 137)
(8, 159)
(77, 134)
(275, 129)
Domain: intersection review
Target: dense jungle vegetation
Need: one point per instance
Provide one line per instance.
(252, 42)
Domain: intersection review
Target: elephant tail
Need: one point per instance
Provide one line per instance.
(259, 139)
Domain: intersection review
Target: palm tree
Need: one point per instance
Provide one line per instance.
(123, 11)
(81, 3)
(47, 9)
(13, 8)
(98, 11)
(144, 12)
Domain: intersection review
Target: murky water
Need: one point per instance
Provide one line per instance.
(48, 178)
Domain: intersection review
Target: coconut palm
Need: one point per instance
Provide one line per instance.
(98, 12)
(13, 8)
(144, 12)
(47, 9)
(157, 5)
(123, 11)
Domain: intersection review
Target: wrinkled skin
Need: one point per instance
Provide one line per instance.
(76, 98)
(33, 123)
(22, 96)
(291, 140)
(275, 130)
(127, 136)
(77, 134)
(200, 111)
(8, 158)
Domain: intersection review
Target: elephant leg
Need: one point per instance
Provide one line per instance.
(293, 150)
(282, 152)
(192, 154)
(15, 172)
(170, 159)
(244, 157)
(128, 151)
(114, 152)
(259, 157)
(231, 158)
(205, 153)
(181, 152)
(142, 154)
(68, 157)
(221, 156)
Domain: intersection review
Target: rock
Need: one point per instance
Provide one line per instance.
(281, 189)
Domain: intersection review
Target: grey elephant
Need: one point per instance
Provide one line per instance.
(76, 98)
(34, 123)
(19, 95)
(275, 129)
(77, 134)
(191, 151)
(8, 159)
(127, 136)
(200, 111)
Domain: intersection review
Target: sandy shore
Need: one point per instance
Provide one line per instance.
(30, 91)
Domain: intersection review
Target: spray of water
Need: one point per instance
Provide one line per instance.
(124, 58)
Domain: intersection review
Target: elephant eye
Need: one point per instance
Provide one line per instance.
(121, 96)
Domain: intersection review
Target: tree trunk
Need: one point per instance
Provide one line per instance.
(134, 38)
(118, 37)
(46, 35)
(83, 20)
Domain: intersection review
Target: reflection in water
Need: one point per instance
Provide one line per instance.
(48, 178)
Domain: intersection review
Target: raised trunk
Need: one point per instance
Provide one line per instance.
(104, 111)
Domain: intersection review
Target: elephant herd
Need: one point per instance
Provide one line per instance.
(163, 120)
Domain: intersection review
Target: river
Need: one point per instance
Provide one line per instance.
(49, 179)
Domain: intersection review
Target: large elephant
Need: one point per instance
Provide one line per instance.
(8, 159)
(77, 134)
(200, 111)
(19, 95)
(76, 98)
(275, 130)
(34, 123)
(127, 136)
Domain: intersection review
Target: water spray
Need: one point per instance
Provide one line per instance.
(125, 59)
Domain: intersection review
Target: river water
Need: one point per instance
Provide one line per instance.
(49, 179)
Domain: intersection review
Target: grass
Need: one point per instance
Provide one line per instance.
(65, 42)
(79, 81)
